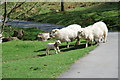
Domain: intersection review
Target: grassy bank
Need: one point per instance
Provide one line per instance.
(26, 59)
(29, 33)
(75, 13)
(107, 12)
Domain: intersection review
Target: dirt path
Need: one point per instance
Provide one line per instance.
(100, 63)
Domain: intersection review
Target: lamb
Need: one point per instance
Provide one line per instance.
(66, 34)
(54, 46)
(43, 36)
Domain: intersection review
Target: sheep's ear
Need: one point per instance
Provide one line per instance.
(56, 30)
(80, 31)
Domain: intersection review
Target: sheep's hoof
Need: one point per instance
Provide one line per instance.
(75, 45)
(47, 54)
(59, 51)
(104, 41)
(56, 53)
(67, 46)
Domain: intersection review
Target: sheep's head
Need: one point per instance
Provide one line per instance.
(54, 32)
(58, 42)
(80, 34)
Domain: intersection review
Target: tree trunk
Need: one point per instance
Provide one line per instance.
(3, 24)
(62, 5)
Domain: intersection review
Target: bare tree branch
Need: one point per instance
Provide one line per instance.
(14, 8)
(28, 10)
(16, 4)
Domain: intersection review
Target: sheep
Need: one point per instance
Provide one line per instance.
(43, 36)
(102, 26)
(66, 34)
(86, 33)
(94, 32)
(74, 27)
(54, 46)
(97, 33)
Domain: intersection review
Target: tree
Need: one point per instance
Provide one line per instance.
(17, 5)
(62, 5)
(28, 9)
(4, 18)
(5, 14)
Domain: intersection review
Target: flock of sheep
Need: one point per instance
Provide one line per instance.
(94, 33)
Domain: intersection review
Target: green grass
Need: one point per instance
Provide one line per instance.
(26, 59)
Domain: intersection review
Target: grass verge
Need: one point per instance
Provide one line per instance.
(26, 59)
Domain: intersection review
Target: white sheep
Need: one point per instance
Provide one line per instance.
(74, 27)
(54, 46)
(66, 34)
(94, 32)
(102, 26)
(86, 33)
(97, 33)
(43, 36)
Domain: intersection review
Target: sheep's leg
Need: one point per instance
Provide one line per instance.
(55, 51)
(105, 37)
(47, 51)
(100, 40)
(77, 42)
(68, 45)
(87, 43)
(58, 49)
(92, 42)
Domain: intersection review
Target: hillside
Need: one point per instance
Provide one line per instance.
(75, 13)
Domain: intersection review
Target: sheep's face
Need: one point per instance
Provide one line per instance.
(54, 32)
(80, 34)
(58, 42)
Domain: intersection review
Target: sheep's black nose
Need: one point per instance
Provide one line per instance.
(50, 35)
